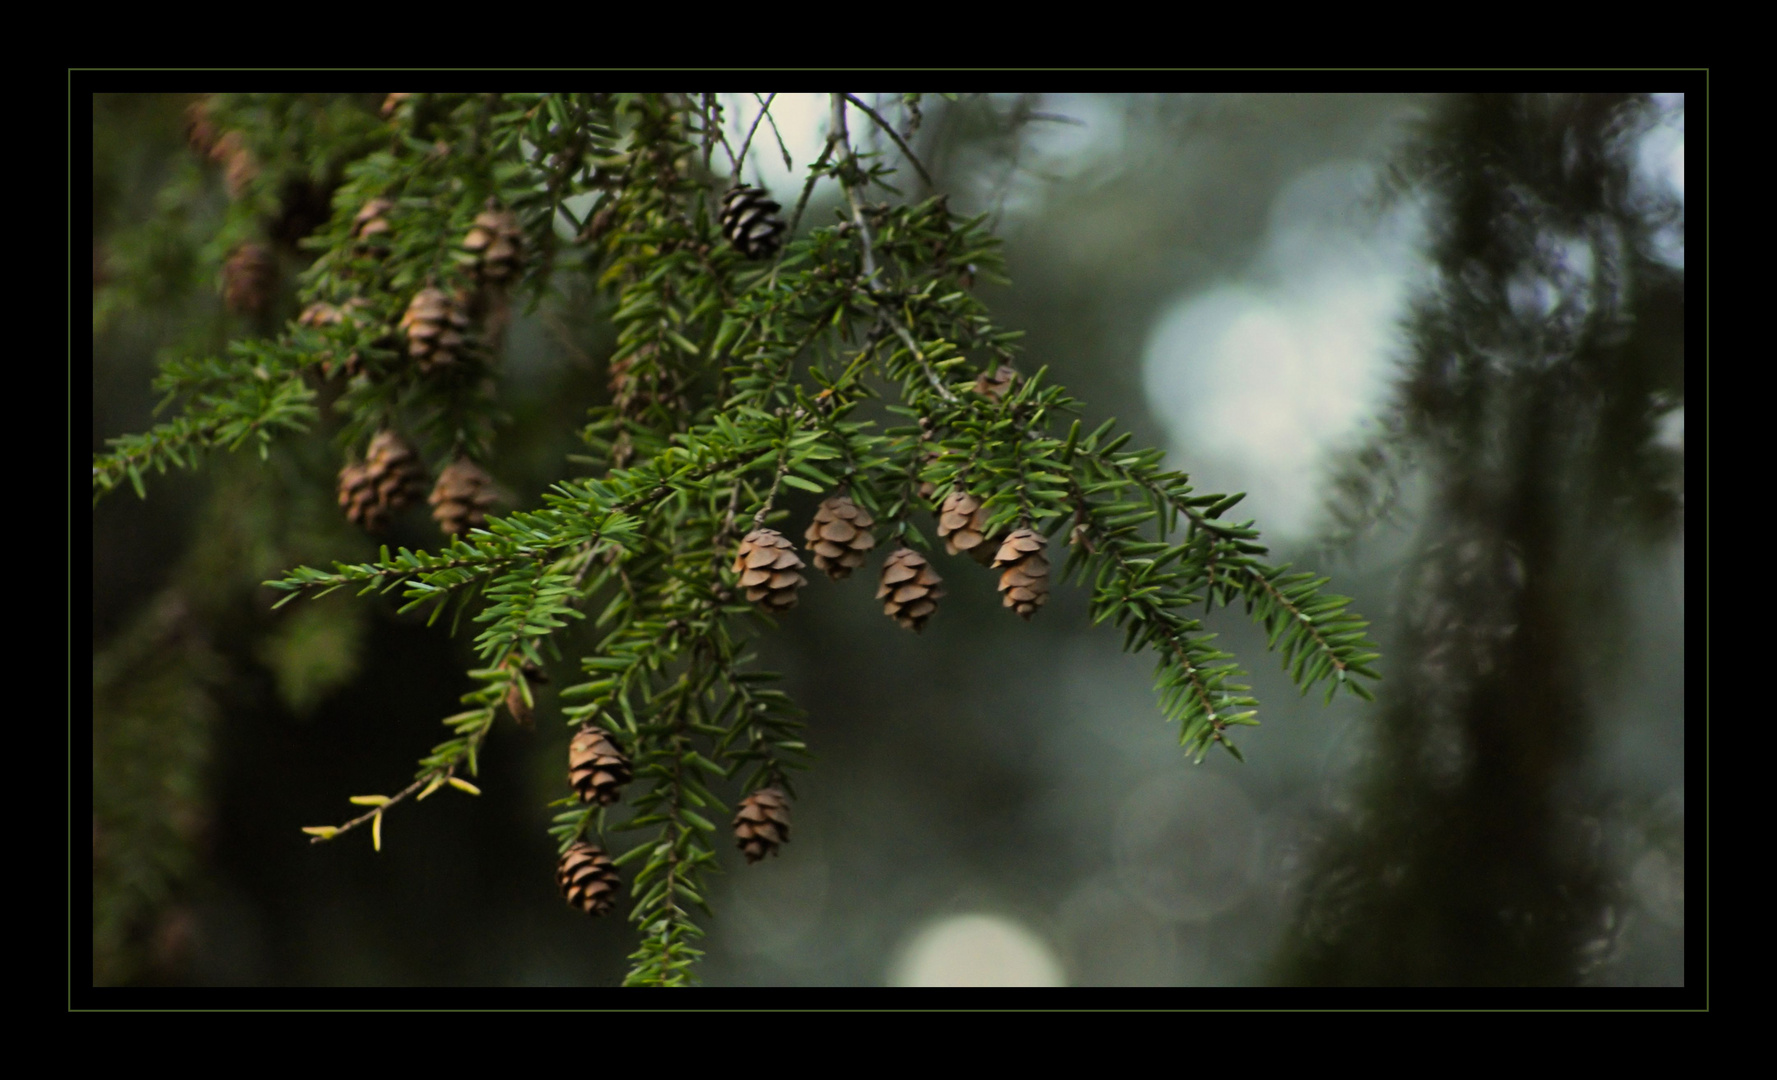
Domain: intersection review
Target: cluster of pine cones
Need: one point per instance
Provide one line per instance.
(391, 477)
(435, 331)
(839, 538)
(226, 148)
(597, 771)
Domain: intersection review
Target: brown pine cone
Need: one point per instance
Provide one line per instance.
(371, 224)
(495, 241)
(239, 166)
(763, 823)
(997, 384)
(1024, 578)
(200, 130)
(911, 587)
(839, 536)
(518, 703)
(962, 524)
(597, 769)
(436, 327)
(321, 315)
(767, 563)
(248, 278)
(588, 878)
(389, 478)
(461, 497)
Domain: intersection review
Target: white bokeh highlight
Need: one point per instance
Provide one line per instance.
(1257, 379)
(976, 950)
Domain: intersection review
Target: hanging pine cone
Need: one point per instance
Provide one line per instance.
(239, 166)
(248, 278)
(997, 384)
(596, 768)
(321, 315)
(911, 587)
(588, 878)
(750, 222)
(371, 224)
(435, 326)
(635, 380)
(200, 130)
(495, 241)
(962, 524)
(926, 488)
(763, 823)
(767, 563)
(839, 536)
(461, 497)
(930, 453)
(389, 478)
(518, 701)
(1024, 577)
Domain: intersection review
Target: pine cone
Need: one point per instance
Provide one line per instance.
(930, 453)
(521, 710)
(371, 223)
(763, 823)
(389, 478)
(997, 384)
(461, 497)
(588, 878)
(495, 241)
(962, 524)
(524, 674)
(239, 166)
(596, 768)
(750, 222)
(248, 278)
(1025, 577)
(321, 315)
(767, 563)
(911, 587)
(632, 391)
(434, 325)
(200, 130)
(839, 536)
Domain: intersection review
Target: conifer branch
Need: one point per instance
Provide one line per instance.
(741, 354)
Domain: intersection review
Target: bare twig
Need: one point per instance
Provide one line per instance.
(847, 173)
(764, 111)
(888, 128)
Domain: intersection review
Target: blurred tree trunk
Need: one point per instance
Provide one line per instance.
(1544, 355)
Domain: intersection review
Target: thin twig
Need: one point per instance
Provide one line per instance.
(814, 175)
(847, 173)
(765, 108)
(777, 478)
(887, 127)
(764, 111)
(425, 779)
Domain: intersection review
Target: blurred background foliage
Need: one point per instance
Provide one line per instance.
(1439, 338)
